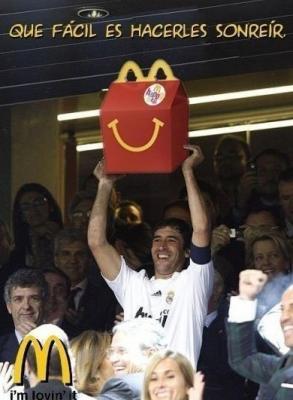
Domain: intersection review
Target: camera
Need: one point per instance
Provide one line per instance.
(251, 166)
(236, 233)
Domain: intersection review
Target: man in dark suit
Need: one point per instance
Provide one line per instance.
(276, 372)
(221, 382)
(25, 294)
(59, 294)
(6, 269)
(91, 306)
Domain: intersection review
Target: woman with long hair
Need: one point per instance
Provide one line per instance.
(92, 367)
(36, 219)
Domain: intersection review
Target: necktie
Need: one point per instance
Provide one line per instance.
(73, 293)
(289, 362)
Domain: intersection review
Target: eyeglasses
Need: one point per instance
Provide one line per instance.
(24, 207)
(81, 214)
(120, 351)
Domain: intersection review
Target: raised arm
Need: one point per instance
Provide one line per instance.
(106, 256)
(243, 355)
(199, 214)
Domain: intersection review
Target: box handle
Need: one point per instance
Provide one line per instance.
(161, 64)
(128, 66)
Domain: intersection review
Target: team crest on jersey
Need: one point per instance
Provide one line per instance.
(170, 297)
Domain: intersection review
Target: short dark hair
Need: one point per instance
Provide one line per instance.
(234, 139)
(78, 198)
(138, 238)
(205, 187)
(259, 208)
(54, 365)
(26, 277)
(69, 235)
(181, 226)
(57, 271)
(283, 157)
(180, 203)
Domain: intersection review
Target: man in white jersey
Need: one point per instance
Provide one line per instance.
(175, 296)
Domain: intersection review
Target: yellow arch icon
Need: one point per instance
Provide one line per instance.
(42, 353)
(136, 149)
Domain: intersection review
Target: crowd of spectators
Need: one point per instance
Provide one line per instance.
(143, 307)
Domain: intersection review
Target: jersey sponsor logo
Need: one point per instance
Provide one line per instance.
(158, 293)
(142, 314)
(162, 319)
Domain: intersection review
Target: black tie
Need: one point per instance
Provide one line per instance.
(73, 294)
(288, 361)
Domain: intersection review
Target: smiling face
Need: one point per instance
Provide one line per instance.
(73, 258)
(178, 213)
(168, 252)
(167, 381)
(122, 354)
(287, 317)
(268, 257)
(25, 304)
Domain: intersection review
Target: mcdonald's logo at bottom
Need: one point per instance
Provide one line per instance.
(42, 354)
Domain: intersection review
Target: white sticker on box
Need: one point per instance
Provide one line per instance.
(154, 94)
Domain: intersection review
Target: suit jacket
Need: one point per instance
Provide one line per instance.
(8, 347)
(259, 367)
(96, 309)
(127, 387)
(221, 382)
(6, 325)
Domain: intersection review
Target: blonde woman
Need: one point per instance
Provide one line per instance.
(170, 376)
(269, 251)
(92, 367)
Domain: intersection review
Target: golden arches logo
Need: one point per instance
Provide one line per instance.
(42, 354)
(136, 149)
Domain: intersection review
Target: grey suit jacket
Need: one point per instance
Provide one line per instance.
(259, 367)
(126, 387)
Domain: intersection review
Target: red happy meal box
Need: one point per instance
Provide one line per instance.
(144, 123)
